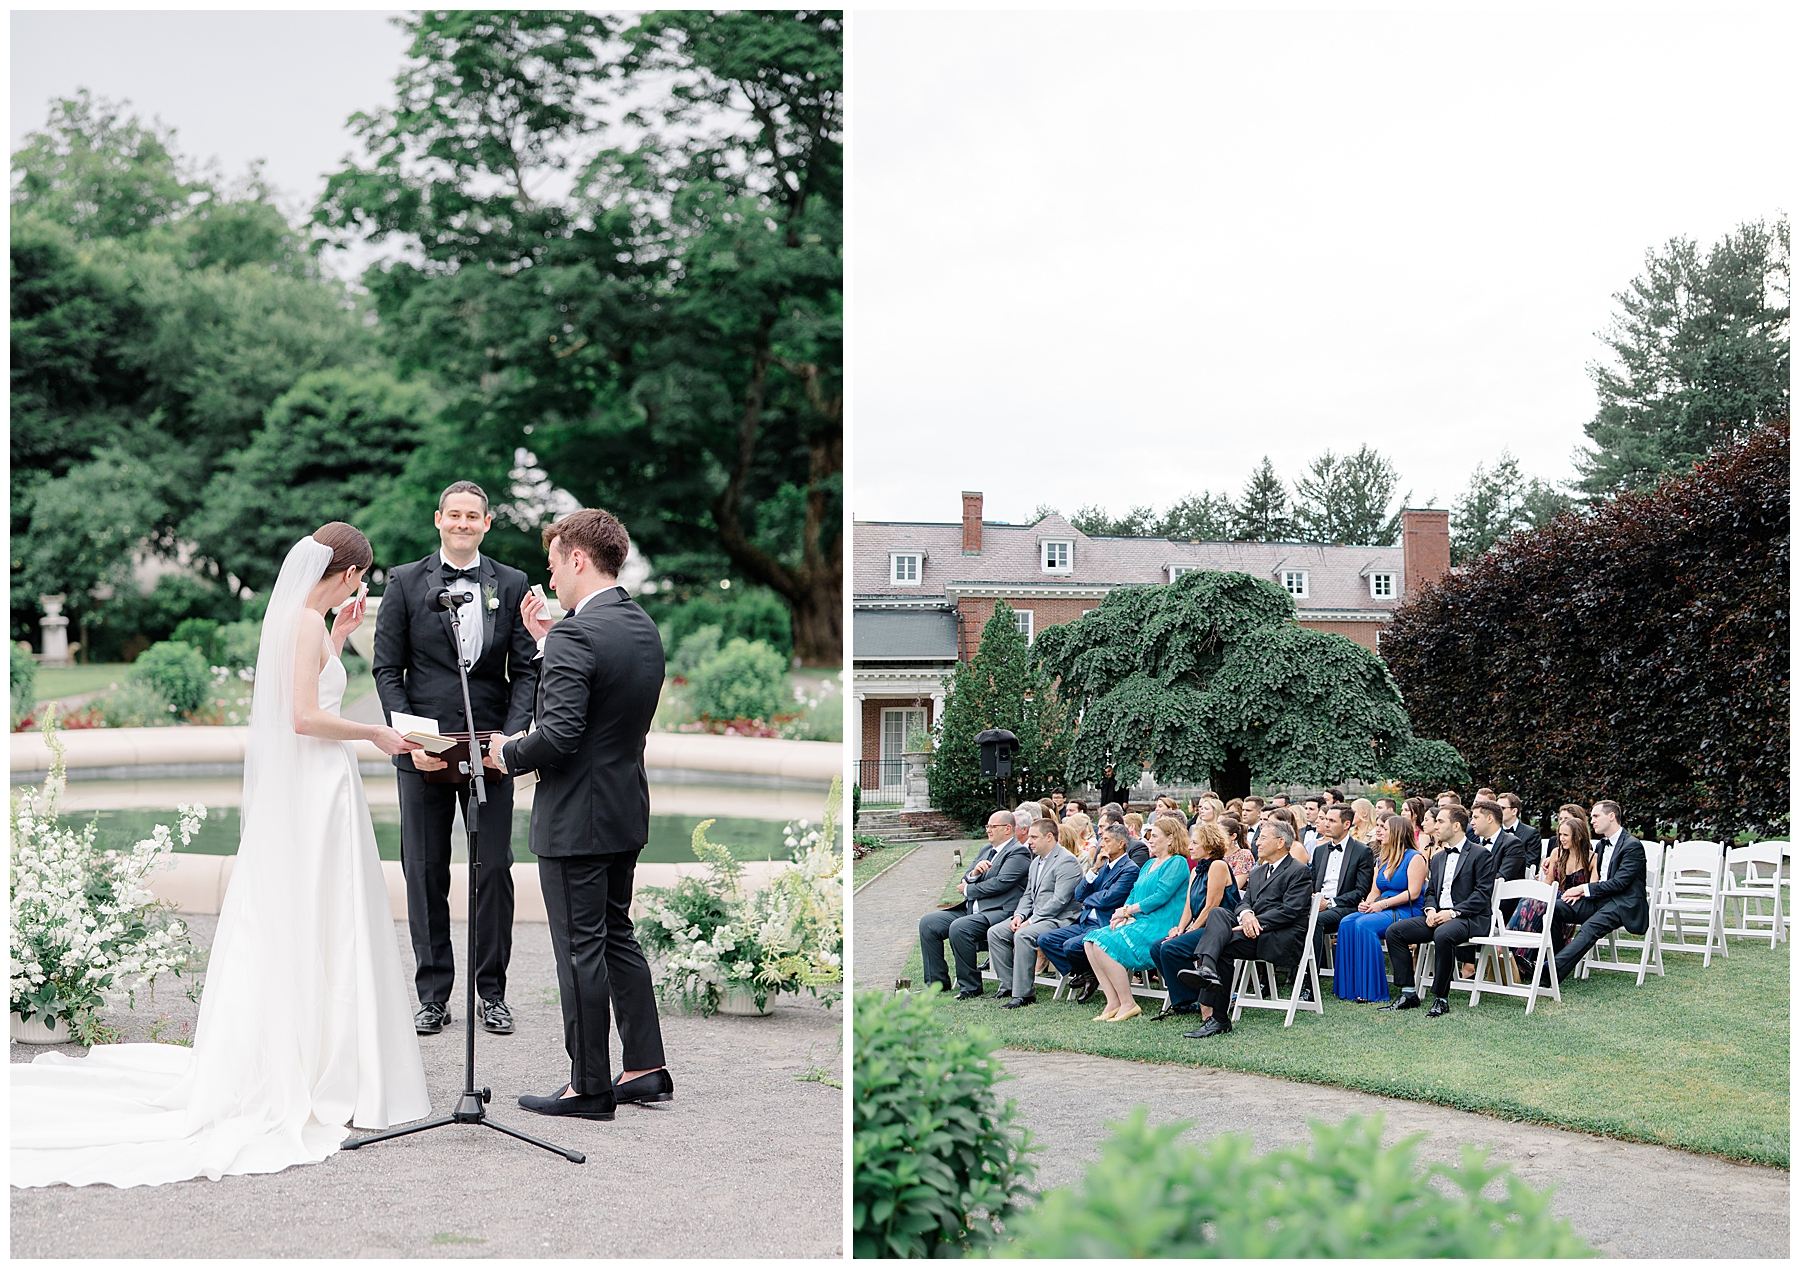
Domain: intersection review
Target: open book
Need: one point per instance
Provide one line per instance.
(453, 749)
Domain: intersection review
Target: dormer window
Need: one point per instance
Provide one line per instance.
(904, 568)
(1176, 570)
(1293, 580)
(1059, 556)
(1381, 585)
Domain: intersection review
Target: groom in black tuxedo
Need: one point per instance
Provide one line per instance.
(415, 673)
(601, 675)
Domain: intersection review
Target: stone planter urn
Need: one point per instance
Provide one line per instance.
(35, 1032)
(740, 1002)
(916, 788)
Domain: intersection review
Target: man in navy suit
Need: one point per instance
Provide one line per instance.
(1099, 892)
(1615, 898)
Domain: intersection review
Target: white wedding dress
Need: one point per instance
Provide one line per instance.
(305, 1025)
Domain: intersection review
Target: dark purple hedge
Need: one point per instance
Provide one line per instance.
(1638, 652)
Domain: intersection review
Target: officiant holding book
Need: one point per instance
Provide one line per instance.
(415, 673)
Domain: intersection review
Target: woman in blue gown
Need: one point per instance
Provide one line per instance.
(1400, 872)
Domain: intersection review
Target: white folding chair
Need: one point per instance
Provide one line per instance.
(1248, 987)
(1499, 943)
(1693, 900)
(1753, 876)
(1649, 947)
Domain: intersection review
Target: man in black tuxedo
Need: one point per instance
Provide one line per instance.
(1459, 900)
(1512, 823)
(601, 676)
(1343, 872)
(1617, 896)
(415, 673)
(990, 891)
(1510, 856)
(1269, 924)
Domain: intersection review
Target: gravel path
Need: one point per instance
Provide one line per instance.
(747, 1161)
(1617, 1194)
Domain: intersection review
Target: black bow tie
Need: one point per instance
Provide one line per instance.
(453, 574)
(1453, 850)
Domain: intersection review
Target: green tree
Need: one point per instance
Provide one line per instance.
(1209, 679)
(1345, 499)
(1499, 503)
(667, 333)
(1700, 357)
(997, 688)
(100, 175)
(1201, 517)
(1095, 522)
(1262, 510)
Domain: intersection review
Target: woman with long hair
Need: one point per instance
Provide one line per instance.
(1362, 819)
(1238, 857)
(1570, 863)
(1360, 971)
(1144, 917)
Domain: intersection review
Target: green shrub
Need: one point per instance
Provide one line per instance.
(744, 680)
(939, 1166)
(1153, 1195)
(695, 650)
(24, 683)
(137, 703)
(201, 633)
(236, 644)
(178, 671)
(1428, 764)
(745, 612)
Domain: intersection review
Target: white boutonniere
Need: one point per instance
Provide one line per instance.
(493, 599)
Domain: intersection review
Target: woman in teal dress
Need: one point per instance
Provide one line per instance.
(1400, 872)
(1155, 904)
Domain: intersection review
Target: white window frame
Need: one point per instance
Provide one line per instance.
(918, 559)
(1176, 570)
(1374, 592)
(1026, 620)
(1305, 582)
(1045, 554)
(889, 754)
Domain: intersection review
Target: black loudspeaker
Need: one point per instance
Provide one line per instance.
(998, 749)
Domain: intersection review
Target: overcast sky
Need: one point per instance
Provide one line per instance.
(1118, 258)
(237, 86)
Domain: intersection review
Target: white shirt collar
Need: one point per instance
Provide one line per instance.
(444, 561)
(584, 600)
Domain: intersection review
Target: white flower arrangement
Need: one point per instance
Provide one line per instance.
(85, 925)
(707, 935)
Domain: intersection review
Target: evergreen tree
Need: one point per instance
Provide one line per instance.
(997, 688)
(1499, 503)
(1701, 358)
(1262, 512)
(1094, 521)
(1346, 500)
(1201, 517)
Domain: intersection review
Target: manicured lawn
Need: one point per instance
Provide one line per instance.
(878, 861)
(1697, 1060)
(54, 684)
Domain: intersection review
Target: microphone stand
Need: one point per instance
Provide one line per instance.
(471, 1107)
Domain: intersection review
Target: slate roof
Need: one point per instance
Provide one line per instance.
(1337, 581)
(904, 636)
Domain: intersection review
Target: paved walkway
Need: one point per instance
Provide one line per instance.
(747, 1161)
(1625, 1198)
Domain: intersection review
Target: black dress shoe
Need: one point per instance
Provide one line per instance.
(1406, 1001)
(1019, 1002)
(1213, 1026)
(1003, 994)
(496, 1017)
(431, 1019)
(1306, 993)
(1201, 974)
(580, 1106)
(970, 995)
(657, 1086)
(1170, 1011)
(1089, 986)
(1439, 1008)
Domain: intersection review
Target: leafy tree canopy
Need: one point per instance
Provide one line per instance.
(1209, 679)
(1346, 499)
(1700, 358)
(1498, 503)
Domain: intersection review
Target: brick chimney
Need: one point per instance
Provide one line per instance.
(972, 523)
(1424, 547)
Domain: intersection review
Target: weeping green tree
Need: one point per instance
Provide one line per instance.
(997, 687)
(1210, 679)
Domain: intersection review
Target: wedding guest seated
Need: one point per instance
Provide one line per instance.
(1059, 798)
(1268, 924)
(1101, 890)
(1414, 809)
(1359, 969)
(1238, 855)
(1459, 893)
(990, 891)
(1616, 897)
(1123, 948)
(1310, 810)
(1385, 805)
(1210, 885)
(1084, 827)
(1343, 869)
(1483, 792)
(1510, 859)
(1208, 809)
(1569, 864)
(1287, 815)
(1362, 823)
(1136, 846)
(1048, 903)
(1514, 823)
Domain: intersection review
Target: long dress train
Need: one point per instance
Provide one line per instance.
(305, 1024)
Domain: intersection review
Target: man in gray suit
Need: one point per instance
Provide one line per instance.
(1047, 904)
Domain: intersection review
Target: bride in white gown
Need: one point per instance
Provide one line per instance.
(305, 1025)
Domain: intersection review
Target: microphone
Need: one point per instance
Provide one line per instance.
(445, 600)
